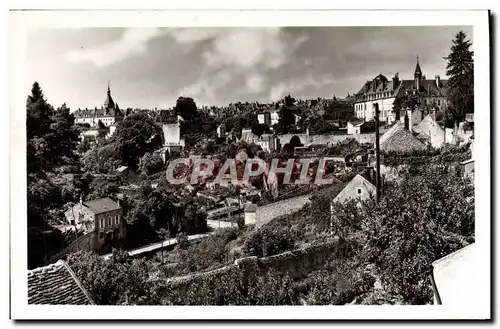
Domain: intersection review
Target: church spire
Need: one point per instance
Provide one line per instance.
(418, 71)
(417, 75)
(109, 103)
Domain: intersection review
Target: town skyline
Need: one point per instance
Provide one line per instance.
(215, 67)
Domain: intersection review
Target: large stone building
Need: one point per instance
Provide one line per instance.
(108, 114)
(431, 93)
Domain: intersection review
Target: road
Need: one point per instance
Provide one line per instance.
(159, 245)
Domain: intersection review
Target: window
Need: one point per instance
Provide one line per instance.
(439, 102)
(109, 221)
(102, 222)
(359, 191)
(117, 220)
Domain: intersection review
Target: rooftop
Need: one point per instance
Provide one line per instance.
(99, 206)
(56, 284)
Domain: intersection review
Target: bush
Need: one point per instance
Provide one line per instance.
(268, 241)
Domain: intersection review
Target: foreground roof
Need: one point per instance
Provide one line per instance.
(56, 284)
(454, 275)
(99, 206)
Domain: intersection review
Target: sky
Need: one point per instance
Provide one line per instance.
(152, 67)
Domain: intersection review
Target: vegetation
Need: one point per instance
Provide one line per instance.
(460, 69)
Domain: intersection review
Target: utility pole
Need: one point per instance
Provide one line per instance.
(377, 150)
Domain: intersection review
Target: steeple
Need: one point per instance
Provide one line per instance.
(418, 71)
(109, 103)
(417, 75)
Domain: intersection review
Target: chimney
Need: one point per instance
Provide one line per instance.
(433, 113)
(438, 81)
(410, 123)
(395, 81)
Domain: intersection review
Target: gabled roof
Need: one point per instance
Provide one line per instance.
(56, 284)
(428, 125)
(122, 169)
(99, 206)
(401, 141)
(350, 190)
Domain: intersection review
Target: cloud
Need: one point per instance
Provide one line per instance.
(296, 85)
(133, 42)
(237, 58)
(247, 48)
(255, 83)
(190, 35)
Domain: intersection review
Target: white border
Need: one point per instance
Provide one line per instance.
(21, 21)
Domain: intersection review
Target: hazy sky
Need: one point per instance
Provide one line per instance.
(152, 67)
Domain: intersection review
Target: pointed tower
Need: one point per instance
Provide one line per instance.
(109, 104)
(417, 75)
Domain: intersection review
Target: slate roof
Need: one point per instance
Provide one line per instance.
(401, 140)
(97, 113)
(56, 284)
(99, 206)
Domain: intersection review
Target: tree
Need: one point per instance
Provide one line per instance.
(186, 108)
(38, 113)
(460, 70)
(286, 118)
(289, 101)
(295, 141)
(151, 163)
(259, 128)
(134, 136)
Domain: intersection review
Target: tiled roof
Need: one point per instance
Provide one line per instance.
(397, 126)
(99, 206)
(56, 284)
(401, 141)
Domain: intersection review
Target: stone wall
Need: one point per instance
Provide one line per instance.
(327, 139)
(85, 243)
(219, 286)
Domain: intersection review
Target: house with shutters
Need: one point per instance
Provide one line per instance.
(100, 221)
